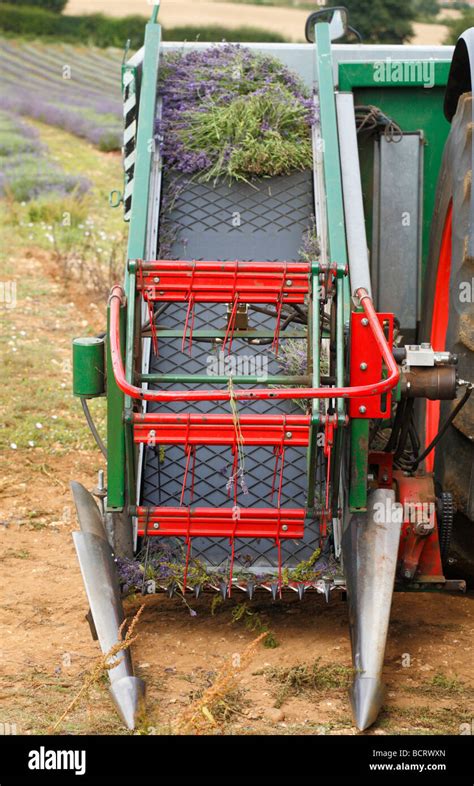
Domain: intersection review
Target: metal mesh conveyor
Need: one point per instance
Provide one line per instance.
(262, 221)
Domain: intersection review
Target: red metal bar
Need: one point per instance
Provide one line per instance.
(289, 430)
(221, 522)
(116, 299)
(224, 282)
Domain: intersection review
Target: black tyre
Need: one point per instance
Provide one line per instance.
(449, 312)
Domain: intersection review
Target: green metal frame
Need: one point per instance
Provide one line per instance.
(337, 249)
(415, 108)
(121, 461)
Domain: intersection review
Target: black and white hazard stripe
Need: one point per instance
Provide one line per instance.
(129, 137)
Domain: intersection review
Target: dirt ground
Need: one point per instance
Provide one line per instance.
(47, 650)
(289, 22)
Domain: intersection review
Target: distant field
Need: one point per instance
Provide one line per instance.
(74, 88)
(289, 22)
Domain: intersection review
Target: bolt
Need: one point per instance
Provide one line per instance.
(285, 527)
(288, 282)
(363, 366)
(152, 432)
(156, 525)
(156, 280)
(288, 435)
(384, 477)
(362, 409)
(364, 321)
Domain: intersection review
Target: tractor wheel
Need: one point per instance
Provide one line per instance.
(448, 323)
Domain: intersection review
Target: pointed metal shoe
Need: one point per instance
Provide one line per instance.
(250, 589)
(370, 547)
(103, 592)
(128, 694)
(301, 591)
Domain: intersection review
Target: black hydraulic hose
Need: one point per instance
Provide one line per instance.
(404, 430)
(393, 439)
(92, 427)
(444, 427)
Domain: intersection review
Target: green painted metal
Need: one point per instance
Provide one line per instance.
(118, 431)
(203, 333)
(198, 379)
(145, 142)
(331, 160)
(414, 107)
(88, 367)
(393, 74)
(336, 241)
(359, 457)
(115, 430)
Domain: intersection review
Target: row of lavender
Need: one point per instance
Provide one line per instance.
(73, 88)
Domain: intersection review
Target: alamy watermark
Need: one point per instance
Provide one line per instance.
(223, 365)
(402, 71)
(397, 513)
(8, 294)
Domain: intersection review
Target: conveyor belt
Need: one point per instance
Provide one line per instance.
(265, 221)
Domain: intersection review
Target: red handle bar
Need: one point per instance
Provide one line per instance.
(375, 389)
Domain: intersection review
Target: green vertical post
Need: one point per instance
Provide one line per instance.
(359, 464)
(115, 428)
(121, 463)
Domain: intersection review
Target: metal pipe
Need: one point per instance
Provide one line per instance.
(359, 269)
(238, 379)
(377, 388)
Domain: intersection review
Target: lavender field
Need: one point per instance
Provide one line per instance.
(26, 170)
(74, 88)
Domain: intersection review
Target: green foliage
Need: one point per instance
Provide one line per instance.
(243, 149)
(382, 21)
(215, 33)
(255, 623)
(56, 6)
(93, 29)
(458, 26)
(35, 21)
(426, 8)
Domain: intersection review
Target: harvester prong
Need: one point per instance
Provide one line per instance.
(274, 590)
(171, 589)
(250, 589)
(103, 592)
(301, 591)
(223, 589)
(197, 590)
(370, 546)
(327, 589)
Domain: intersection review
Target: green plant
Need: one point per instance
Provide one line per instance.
(217, 33)
(444, 684)
(382, 21)
(254, 136)
(255, 623)
(95, 29)
(458, 26)
(56, 6)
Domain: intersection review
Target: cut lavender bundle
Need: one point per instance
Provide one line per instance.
(230, 113)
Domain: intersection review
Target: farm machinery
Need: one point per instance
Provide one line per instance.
(353, 473)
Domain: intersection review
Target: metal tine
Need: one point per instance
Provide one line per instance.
(274, 590)
(223, 589)
(197, 590)
(327, 589)
(250, 589)
(171, 589)
(301, 591)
